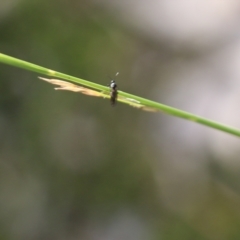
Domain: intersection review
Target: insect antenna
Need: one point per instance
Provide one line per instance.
(114, 76)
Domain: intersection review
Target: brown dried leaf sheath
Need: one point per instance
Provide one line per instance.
(64, 85)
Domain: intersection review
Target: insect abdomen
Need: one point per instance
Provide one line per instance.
(113, 97)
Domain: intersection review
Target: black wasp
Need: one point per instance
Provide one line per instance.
(113, 91)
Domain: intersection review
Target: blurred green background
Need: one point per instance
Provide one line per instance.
(73, 167)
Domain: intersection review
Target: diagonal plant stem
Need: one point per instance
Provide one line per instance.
(145, 102)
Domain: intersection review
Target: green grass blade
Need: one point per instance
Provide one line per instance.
(130, 99)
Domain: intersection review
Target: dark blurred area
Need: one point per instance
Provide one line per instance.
(74, 167)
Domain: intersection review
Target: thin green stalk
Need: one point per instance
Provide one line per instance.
(142, 101)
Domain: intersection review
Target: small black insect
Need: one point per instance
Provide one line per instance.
(113, 91)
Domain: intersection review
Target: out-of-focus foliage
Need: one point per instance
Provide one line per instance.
(73, 167)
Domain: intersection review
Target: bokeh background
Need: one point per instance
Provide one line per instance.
(73, 167)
